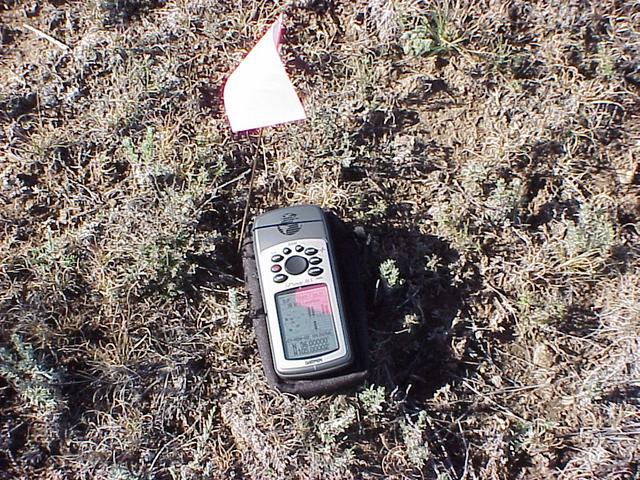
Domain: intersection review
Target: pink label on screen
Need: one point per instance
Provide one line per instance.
(315, 297)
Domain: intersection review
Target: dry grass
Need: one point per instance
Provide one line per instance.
(491, 152)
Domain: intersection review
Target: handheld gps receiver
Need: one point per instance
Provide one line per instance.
(308, 331)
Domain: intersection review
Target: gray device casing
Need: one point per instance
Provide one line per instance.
(288, 227)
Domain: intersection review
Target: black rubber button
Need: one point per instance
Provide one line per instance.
(295, 265)
(280, 278)
(315, 260)
(276, 268)
(276, 258)
(299, 248)
(286, 251)
(311, 251)
(315, 271)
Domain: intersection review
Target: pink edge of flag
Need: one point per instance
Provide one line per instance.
(259, 92)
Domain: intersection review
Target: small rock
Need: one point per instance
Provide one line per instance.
(32, 9)
(16, 106)
(7, 183)
(73, 95)
(15, 133)
(318, 6)
(35, 457)
(49, 97)
(417, 90)
(55, 19)
(631, 71)
(633, 78)
(27, 180)
(6, 35)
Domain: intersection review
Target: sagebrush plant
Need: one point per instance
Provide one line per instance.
(503, 201)
(37, 385)
(473, 175)
(410, 322)
(413, 436)
(543, 308)
(372, 399)
(237, 307)
(341, 417)
(201, 462)
(454, 222)
(390, 273)
(147, 170)
(151, 249)
(432, 262)
(119, 472)
(164, 262)
(54, 253)
(501, 54)
(592, 232)
(375, 210)
(606, 63)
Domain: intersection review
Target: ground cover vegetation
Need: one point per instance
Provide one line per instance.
(489, 151)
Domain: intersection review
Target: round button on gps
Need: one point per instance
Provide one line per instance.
(279, 278)
(295, 265)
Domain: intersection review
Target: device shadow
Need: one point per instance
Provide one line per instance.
(418, 341)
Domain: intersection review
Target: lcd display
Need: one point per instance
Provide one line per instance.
(306, 322)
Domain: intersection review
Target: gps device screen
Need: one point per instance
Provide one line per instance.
(306, 322)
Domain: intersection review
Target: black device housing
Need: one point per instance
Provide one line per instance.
(349, 256)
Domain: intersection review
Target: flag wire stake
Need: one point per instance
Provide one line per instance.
(251, 183)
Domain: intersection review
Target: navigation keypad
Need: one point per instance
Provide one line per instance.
(296, 264)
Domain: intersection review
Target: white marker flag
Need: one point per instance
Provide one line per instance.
(259, 92)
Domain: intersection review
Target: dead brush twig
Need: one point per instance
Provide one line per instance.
(254, 162)
(47, 37)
